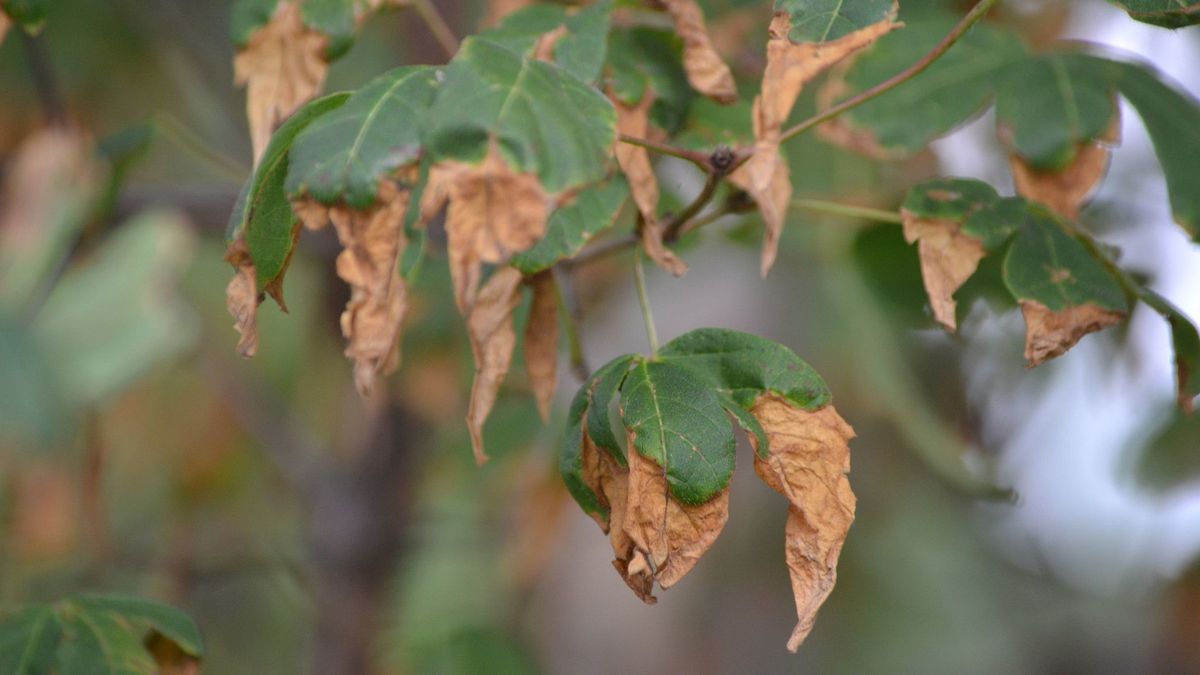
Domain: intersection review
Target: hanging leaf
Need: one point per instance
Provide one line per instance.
(675, 420)
(344, 155)
(1048, 106)
(706, 71)
(106, 635)
(807, 463)
(954, 89)
(490, 327)
(579, 461)
(933, 215)
(1165, 13)
(1064, 292)
(572, 225)
(541, 341)
(806, 39)
(282, 65)
(1186, 342)
(1066, 190)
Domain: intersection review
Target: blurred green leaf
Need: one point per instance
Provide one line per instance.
(825, 20)
(1171, 457)
(676, 421)
(1186, 342)
(645, 61)
(1165, 13)
(580, 50)
(30, 14)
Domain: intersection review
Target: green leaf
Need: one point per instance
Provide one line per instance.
(100, 635)
(642, 60)
(1186, 342)
(591, 401)
(1047, 105)
(1049, 266)
(825, 20)
(1171, 458)
(1172, 119)
(571, 226)
(30, 14)
(335, 18)
(342, 155)
(995, 223)
(749, 424)
(263, 213)
(676, 421)
(28, 638)
(744, 366)
(957, 87)
(248, 16)
(710, 124)
(35, 414)
(1165, 13)
(949, 198)
(543, 119)
(580, 51)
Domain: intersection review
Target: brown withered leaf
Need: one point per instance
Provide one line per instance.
(544, 49)
(634, 160)
(1049, 334)
(493, 213)
(372, 242)
(789, 68)
(706, 71)
(282, 66)
(670, 536)
(948, 259)
(170, 658)
(808, 462)
(5, 24)
(1065, 191)
(541, 341)
(490, 327)
(629, 562)
(242, 297)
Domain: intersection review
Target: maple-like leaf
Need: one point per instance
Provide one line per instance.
(490, 327)
(541, 341)
(494, 212)
(282, 66)
(706, 71)
(790, 66)
(808, 461)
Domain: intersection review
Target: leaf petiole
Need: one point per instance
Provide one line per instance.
(639, 279)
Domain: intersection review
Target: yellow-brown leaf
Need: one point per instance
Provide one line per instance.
(1065, 191)
(670, 536)
(490, 327)
(705, 69)
(282, 66)
(372, 242)
(789, 68)
(634, 160)
(493, 213)
(1049, 334)
(948, 259)
(808, 462)
(629, 562)
(242, 297)
(541, 341)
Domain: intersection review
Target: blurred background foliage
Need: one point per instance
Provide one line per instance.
(138, 454)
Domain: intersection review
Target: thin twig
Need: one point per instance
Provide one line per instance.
(601, 250)
(675, 227)
(639, 279)
(438, 26)
(847, 210)
(977, 12)
(196, 147)
(700, 159)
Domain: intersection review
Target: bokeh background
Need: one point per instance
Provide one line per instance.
(139, 454)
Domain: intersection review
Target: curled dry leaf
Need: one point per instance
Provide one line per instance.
(493, 213)
(541, 341)
(669, 537)
(1066, 190)
(948, 258)
(490, 327)
(808, 462)
(643, 184)
(613, 481)
(282, 66)
(790, 67)
(706, 71)
(242, 297)
(1049, 334)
